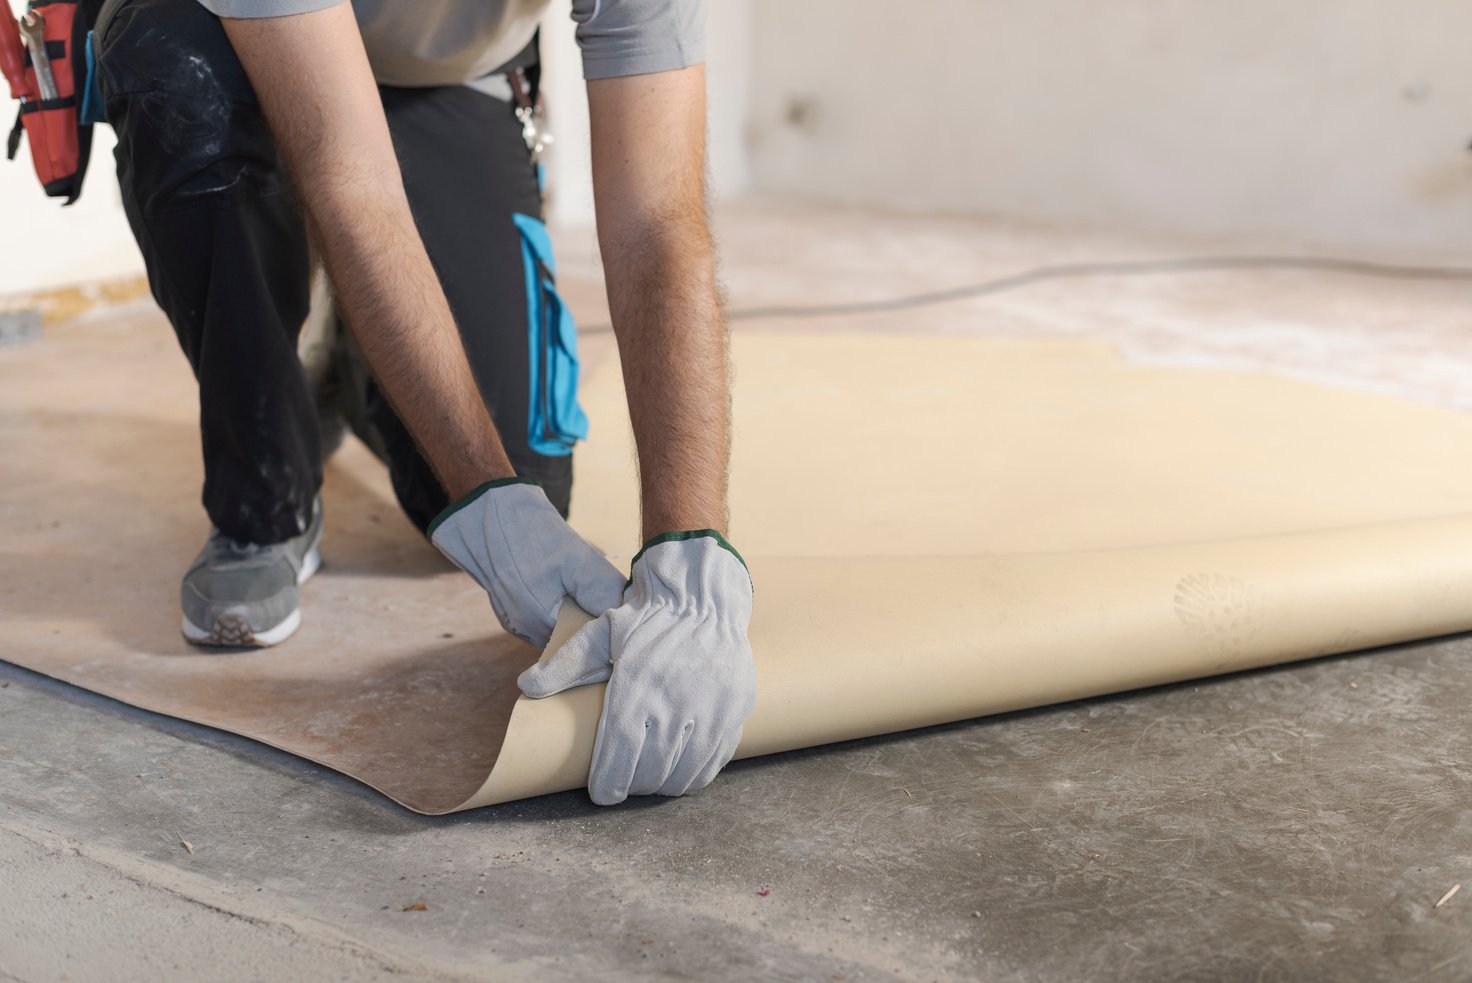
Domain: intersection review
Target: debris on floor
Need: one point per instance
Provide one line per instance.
(19, 326)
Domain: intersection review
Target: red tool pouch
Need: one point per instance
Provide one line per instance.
(60, 143)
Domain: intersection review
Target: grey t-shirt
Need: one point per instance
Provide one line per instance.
(446, 42)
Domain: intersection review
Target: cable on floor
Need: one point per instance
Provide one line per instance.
(1066, 271)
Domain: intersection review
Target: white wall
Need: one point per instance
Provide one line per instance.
(729, 35)
(1340, 121)
(569, 178)
(44, 245)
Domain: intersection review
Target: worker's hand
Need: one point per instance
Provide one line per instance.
(518, 547)
(681, 680)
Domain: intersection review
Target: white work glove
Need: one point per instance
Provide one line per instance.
(681, 680)
(518, 547)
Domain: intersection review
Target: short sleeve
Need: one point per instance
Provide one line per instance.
(265, 8)
(636, 37)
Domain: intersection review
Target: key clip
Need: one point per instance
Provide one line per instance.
(529, 114)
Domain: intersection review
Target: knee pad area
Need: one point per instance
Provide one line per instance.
(185, 113)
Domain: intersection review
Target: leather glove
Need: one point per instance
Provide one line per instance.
(518, 547)
(681, 680)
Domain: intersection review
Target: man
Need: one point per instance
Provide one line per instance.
(246, 126)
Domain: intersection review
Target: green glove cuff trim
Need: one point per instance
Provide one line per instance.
(480, 490)
(676, 537)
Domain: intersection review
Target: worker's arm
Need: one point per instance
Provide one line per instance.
(312, 78)
(658, 260)
(681, 680)
(315, 87)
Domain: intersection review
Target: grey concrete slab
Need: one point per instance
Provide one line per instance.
(1296, 823)
(77, 913)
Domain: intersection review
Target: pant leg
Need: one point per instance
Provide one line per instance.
(225, 245)
(466, 173)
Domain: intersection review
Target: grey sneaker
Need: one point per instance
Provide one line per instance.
(246, 594)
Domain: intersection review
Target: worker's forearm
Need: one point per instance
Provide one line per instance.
(672, 341)
(392, 301)
(649, 188)
(315, 87)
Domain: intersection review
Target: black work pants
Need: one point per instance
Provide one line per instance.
(224, 239)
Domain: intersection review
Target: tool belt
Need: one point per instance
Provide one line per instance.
(47, 60)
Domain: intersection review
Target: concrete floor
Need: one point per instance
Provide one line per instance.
(1289, 824)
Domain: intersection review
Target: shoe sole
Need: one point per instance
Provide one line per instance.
(231, 630)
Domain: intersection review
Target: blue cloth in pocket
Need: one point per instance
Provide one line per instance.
(555, 420)
(91, 111)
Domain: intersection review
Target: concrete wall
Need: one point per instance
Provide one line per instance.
(1340, 121)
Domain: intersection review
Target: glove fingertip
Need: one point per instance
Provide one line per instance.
(603, 789)
(717, 763)
(581, 660)
(603, 797)
(543, 680)
(534, 683)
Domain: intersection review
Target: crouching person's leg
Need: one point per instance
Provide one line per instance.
(225, 245)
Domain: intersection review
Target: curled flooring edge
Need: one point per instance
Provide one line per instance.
(870, 645)
(939, 529)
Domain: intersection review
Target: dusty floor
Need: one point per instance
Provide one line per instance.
(1291, 824)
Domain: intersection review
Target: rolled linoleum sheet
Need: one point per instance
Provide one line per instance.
(939, 528)
(859, 646)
